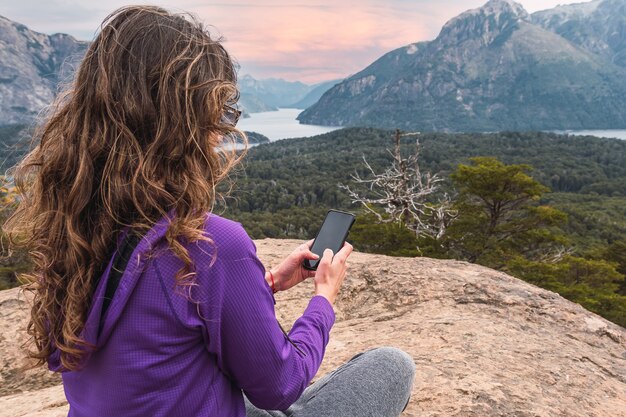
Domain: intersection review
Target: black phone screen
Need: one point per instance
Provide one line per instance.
(331, 235)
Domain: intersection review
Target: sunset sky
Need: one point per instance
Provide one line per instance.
(304, 40)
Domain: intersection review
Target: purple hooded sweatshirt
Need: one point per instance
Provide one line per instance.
(169, 351)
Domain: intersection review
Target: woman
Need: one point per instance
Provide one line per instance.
(133, 151)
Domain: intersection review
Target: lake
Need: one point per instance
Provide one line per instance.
(281, 124)
(612, 133)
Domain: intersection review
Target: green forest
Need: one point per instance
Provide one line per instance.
(563, 227)
(284, 189)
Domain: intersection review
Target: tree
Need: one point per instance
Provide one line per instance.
(407, 195)
(616, 252)
(387, 238)
(498, 218)
(591, 283)
(12, 263)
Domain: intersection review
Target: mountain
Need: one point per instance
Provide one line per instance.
(489, 69)
(274, 92)
(314, 95)
(598, 26)
(250, 103)
(484, 343)
(15, 141)
(31, 66)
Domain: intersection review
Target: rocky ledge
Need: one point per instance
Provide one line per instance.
(485, 343)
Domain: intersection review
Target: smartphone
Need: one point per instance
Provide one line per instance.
(331, 235)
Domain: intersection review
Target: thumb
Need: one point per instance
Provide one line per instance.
(327, 257)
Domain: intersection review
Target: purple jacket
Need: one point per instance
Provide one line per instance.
(171, 351)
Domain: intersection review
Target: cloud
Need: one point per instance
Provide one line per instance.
(321, 35)
(300, 40)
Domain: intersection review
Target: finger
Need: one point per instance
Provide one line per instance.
(306, 245)
(310, 255)
(345, 251)
(301, 256)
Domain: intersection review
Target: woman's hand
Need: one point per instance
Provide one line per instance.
(331, 270)
(290, 271)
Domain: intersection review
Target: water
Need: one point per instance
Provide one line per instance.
(612, 133)
(281, 124)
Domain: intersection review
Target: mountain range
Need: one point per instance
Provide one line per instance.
(495, 68)
(491, 68)
(32, 65)
(271, 93)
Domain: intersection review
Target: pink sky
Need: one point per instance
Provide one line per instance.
(309, 41)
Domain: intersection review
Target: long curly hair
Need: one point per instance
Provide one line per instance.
(139, 134)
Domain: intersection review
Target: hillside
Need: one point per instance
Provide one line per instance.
(492, 68)
(249, 103)
(317, 90)
(485, 344)
(598, 26)
(14, 144)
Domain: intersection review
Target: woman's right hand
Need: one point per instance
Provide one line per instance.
(331, 271)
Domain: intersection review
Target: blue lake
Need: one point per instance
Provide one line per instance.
(281, 124)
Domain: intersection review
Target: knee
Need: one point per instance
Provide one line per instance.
(397, 368)
(398, 363)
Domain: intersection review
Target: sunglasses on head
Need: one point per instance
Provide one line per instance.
(231, 115)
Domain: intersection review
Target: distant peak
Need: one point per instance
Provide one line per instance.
(497, 8)
(506, 5)
(484, 22)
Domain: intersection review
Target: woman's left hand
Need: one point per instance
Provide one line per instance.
(290, 271)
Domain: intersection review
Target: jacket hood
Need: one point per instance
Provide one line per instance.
(91, 333)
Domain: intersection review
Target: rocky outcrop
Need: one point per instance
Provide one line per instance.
(32, 65)
(485, 343)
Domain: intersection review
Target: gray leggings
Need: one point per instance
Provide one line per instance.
(376, 383)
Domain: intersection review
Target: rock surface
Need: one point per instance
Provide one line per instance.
(485, 344)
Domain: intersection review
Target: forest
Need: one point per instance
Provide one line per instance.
(586, 176)
(567, 233)
(284, 189)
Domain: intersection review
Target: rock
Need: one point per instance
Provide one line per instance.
(485, 343)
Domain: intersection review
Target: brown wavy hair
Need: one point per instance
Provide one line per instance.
(139, 134)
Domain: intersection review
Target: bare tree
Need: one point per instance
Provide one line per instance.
(406, 194)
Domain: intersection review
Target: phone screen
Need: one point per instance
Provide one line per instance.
(331, 235)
